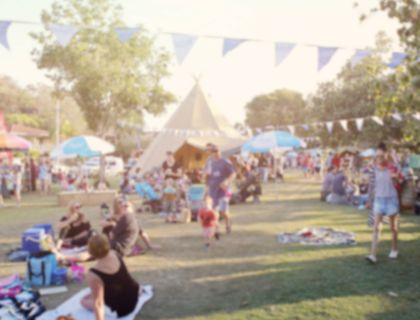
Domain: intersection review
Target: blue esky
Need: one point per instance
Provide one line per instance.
(249, 70)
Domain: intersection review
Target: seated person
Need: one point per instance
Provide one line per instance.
(338, 191)
(74, 229)
(110, 282)
(350, 191)
(124, 229)
(251, 186)
(82, 183)
(327, 183)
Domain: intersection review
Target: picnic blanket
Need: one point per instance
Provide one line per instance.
(73, 251)
(72, 307)
(318, 236)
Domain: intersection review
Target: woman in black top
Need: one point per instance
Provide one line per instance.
(170, 168)
(110, 283)
(74, 228)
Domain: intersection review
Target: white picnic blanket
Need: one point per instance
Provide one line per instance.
(318, 236)
(73, 251)
(72, 307)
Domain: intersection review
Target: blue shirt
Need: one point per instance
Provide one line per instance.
(338, 184)
(219, 171)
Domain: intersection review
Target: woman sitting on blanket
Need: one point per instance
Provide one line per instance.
(110, 283)
(74, 228)
(123, 228)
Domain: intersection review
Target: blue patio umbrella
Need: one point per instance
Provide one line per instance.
(271, 141)
(82, 146)
(368, 153)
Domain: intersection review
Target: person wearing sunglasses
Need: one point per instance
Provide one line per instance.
(74, 228)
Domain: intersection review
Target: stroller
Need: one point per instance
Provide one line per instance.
(151, 200)
(195, 199)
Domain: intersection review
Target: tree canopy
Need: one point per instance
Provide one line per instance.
(110, 80)
(280, 107)
(34, 106)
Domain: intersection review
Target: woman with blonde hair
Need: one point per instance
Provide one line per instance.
(110, 282)
(74, 228)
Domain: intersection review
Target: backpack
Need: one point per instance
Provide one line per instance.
(41, 268)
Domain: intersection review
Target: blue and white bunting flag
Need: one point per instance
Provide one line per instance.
(282, 50)
(229, 44)
(4, 26)
(329, 126)
(63, 33)
(358, 56)
(359, 123)
(182, 44)
(324, 56)
(125, 34)
(378, 120)
(396, 59)
(343, 124)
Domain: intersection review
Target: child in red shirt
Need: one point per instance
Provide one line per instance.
(208, 218)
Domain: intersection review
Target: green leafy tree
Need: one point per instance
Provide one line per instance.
(356, 92)
(400, 90)
(278, 108)
(110, 80)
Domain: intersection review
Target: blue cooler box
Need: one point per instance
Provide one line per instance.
(48, 228)
(30, 239)
(59, 276)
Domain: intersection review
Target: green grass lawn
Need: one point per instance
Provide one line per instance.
(248, 275)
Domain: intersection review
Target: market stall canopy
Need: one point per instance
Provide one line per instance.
(82, 146)
(11, 142)
(195, 123)
(271, 141)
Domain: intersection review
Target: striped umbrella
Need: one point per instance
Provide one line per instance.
(11, 142)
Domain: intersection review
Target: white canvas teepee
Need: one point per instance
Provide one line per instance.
(196, 122)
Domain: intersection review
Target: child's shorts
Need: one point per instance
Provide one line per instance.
(387, 206)
(208, 232)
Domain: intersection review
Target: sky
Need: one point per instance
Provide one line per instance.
(233, 80)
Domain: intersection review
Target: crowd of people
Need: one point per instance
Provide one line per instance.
(385, 184)
(347, 179)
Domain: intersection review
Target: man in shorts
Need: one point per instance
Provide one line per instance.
(220, 174)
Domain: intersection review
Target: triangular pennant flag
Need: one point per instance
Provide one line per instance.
(416, 116)
(324, 56)
(358, 56)
(183, 44)
(359, 123)
(329, 125)
(396, 59)
(344, 125)
(4, 26)
(63, 33)
(229, 44)
(378, 120)
(291, 129)
(397, 116)
(125, 34)
(282, 50)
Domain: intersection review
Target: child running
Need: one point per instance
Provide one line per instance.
(208, 218)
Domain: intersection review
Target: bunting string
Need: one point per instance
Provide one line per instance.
(183, 43)
(343, 123)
